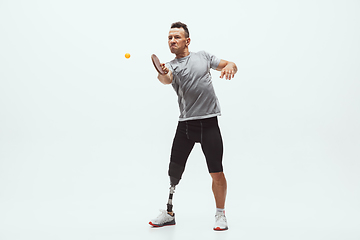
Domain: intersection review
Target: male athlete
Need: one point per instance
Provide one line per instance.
(189, 74)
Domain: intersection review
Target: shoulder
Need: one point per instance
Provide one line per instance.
(210, 58)
(200, 56)
(206, 55)
(202, 53)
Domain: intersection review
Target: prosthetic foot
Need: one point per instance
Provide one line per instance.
(164, 219)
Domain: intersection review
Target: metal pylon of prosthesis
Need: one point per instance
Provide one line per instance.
(169, 204)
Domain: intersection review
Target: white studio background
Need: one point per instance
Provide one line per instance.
(85, 134)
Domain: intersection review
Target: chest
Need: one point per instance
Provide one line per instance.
(192, 70)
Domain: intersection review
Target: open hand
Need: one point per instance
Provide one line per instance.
(228, 72)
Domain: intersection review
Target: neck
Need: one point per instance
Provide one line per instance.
(183, 54)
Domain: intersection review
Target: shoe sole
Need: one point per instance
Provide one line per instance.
(220, 229)
(154, 225)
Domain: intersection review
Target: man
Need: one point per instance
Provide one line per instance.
(189, 74)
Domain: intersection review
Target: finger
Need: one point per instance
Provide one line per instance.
(225, 73)
(228, 75)
(222, 73)
(163, 67)
(231, 74)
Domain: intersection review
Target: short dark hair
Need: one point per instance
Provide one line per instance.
(183, 26)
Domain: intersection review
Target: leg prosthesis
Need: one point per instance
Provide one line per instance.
(175, 173)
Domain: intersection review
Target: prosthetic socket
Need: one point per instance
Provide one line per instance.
(175, 173)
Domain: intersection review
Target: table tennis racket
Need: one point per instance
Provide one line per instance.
(157, 64)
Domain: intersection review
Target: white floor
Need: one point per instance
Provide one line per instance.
(95, 201)
(106, 220)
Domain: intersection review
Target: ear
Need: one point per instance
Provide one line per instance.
(188, 41)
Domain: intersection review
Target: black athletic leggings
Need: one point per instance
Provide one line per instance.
(204, 131)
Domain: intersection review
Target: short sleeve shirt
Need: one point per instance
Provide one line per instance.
(193, 84)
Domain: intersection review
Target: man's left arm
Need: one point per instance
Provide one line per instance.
(228, 69)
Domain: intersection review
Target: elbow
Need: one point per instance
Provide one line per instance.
(164, 80)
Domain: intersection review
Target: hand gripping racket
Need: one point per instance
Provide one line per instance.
(157, 64)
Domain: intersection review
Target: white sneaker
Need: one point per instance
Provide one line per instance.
(164, 219)
(220, 222)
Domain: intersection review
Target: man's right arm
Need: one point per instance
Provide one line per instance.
(167, 77)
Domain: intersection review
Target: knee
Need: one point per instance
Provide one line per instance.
(218, 176)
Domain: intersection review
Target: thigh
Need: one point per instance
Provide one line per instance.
(182, 145)
(212, 145)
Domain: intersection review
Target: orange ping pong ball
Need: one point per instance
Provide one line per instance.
(127, 55)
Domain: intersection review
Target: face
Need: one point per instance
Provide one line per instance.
(177, 41)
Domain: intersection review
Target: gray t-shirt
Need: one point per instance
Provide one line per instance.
(193, 85)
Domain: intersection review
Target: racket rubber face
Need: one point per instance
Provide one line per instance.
(157, 64)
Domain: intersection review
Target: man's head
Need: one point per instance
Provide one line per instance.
(183, 26)
(179, 39)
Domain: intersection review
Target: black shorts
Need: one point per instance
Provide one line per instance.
(204, 131)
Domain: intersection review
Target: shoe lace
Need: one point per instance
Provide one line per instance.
(162, 216)
(162, 213)
(219, 217)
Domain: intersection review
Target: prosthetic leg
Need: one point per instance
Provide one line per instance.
(169, 204)
(175, 173)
